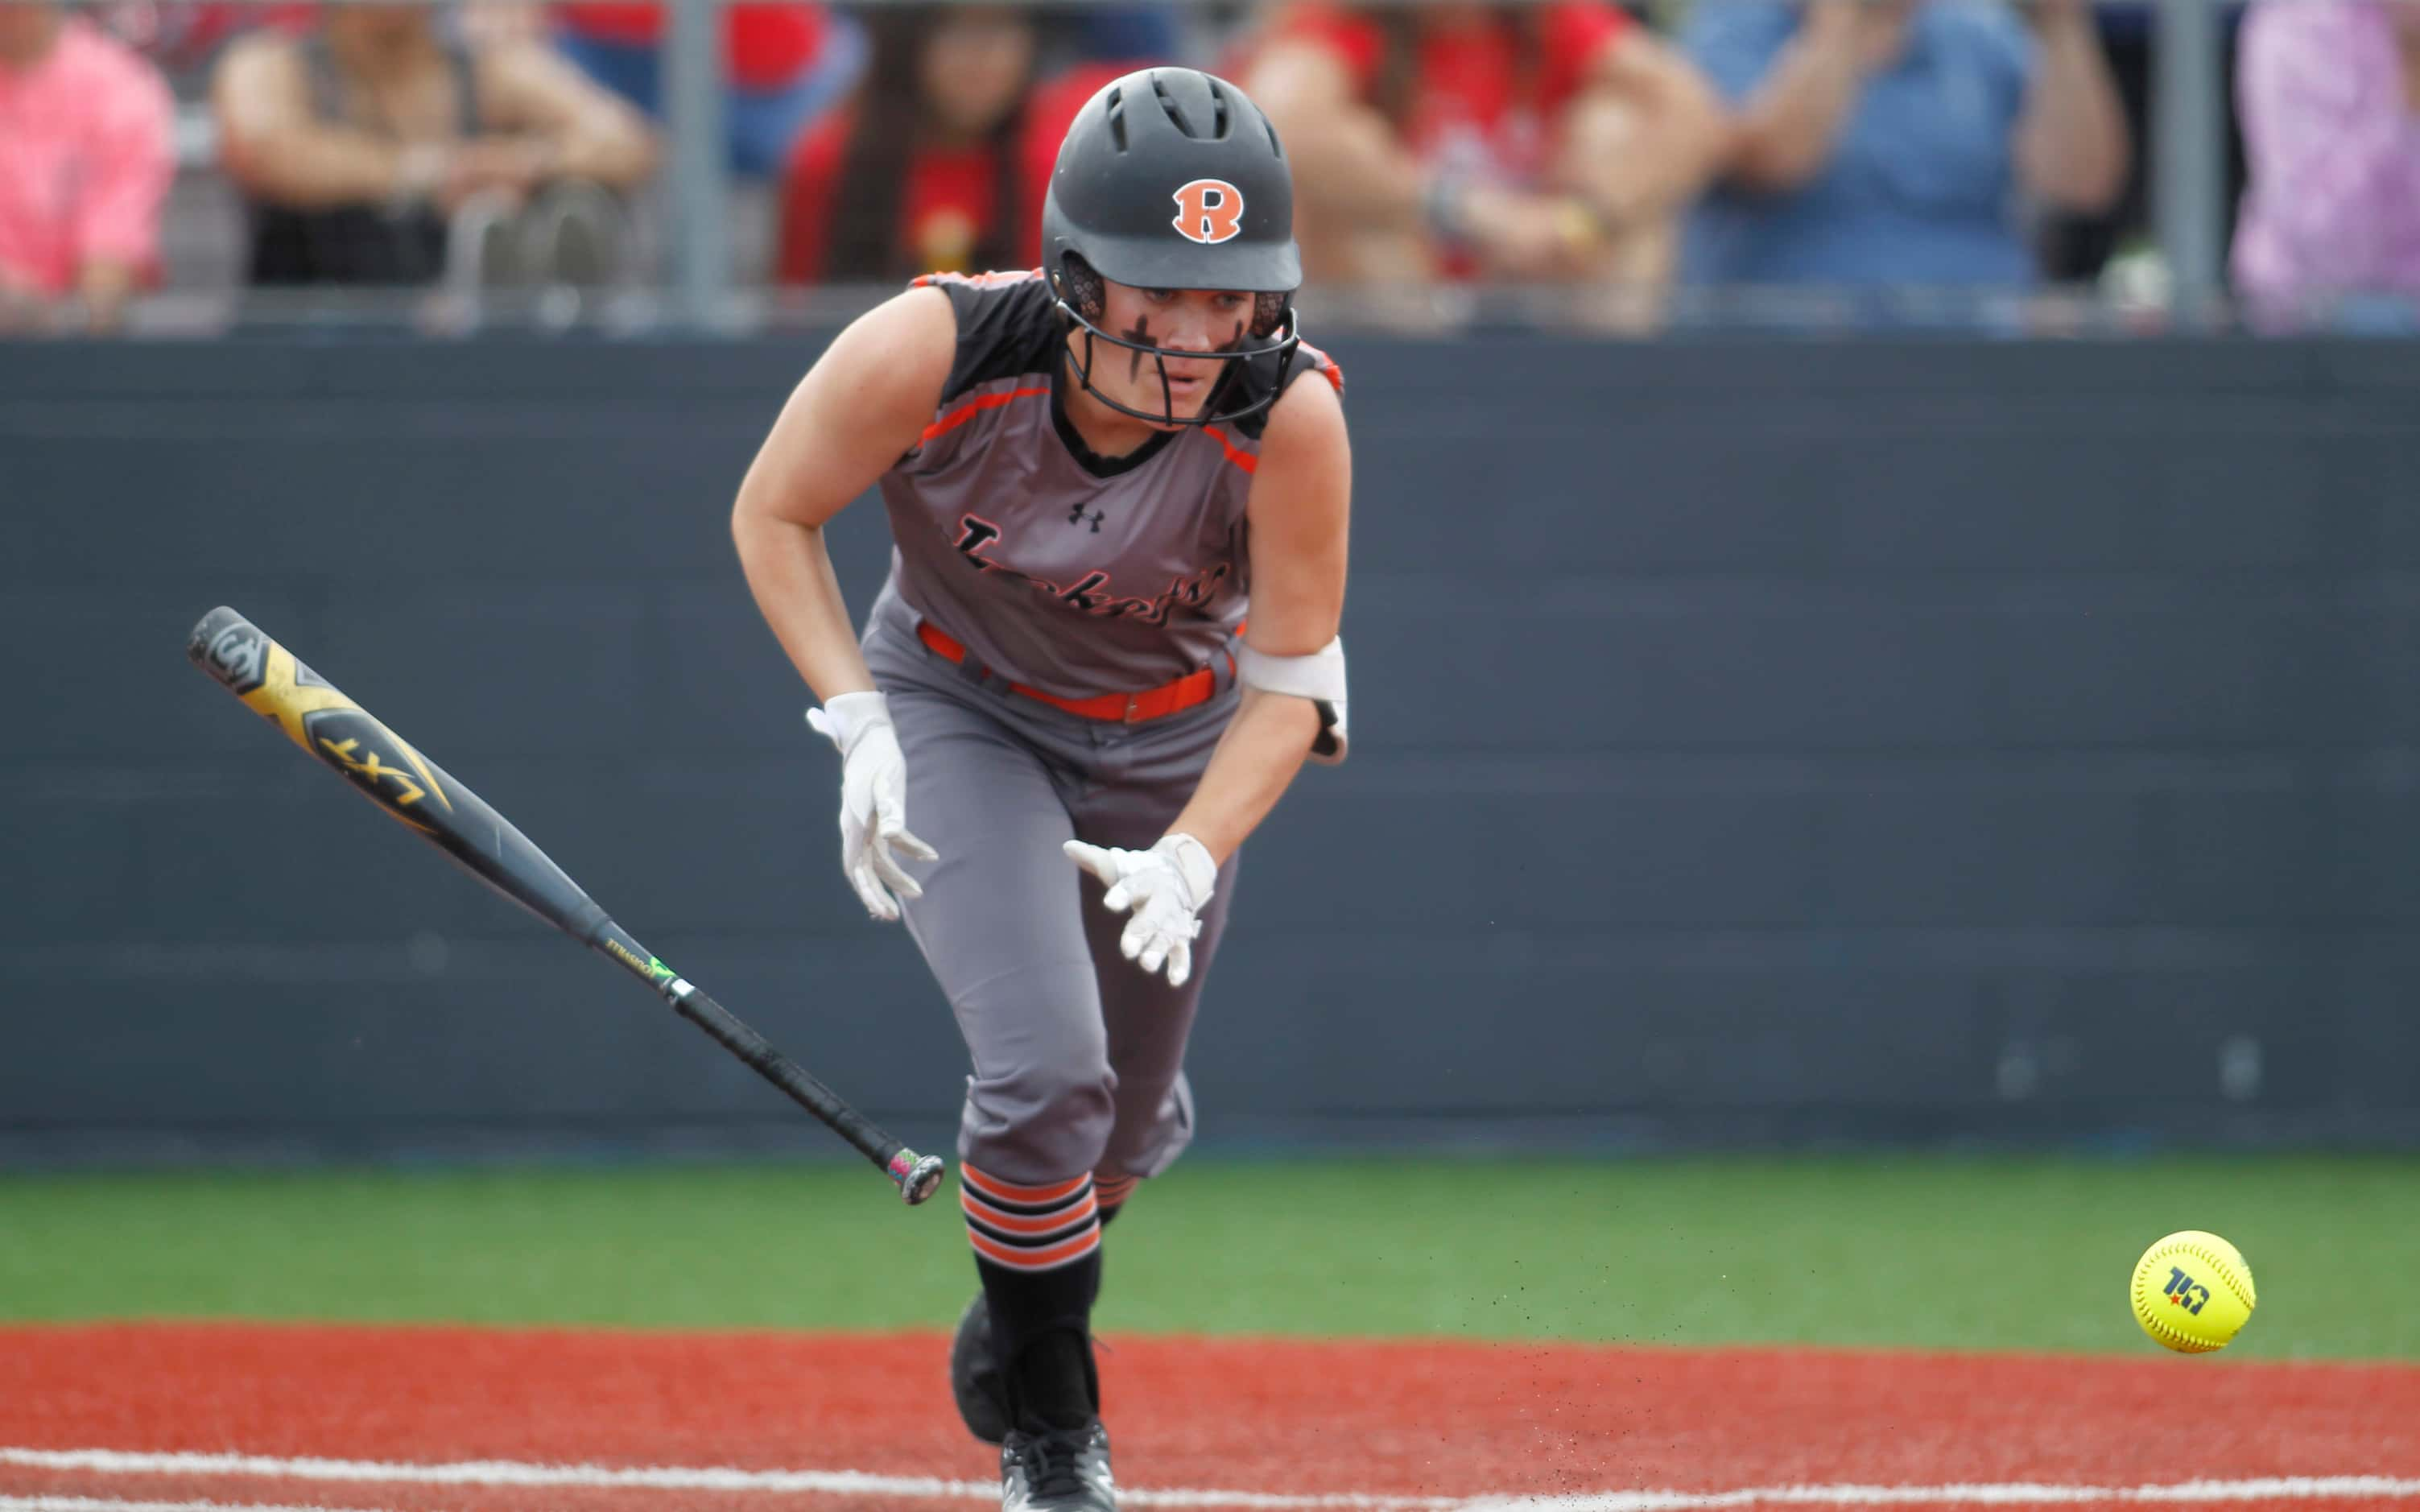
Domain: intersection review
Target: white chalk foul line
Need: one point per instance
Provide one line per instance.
(102, 1504)
(506, 1472)
(515, 1473)
(2179, 1493)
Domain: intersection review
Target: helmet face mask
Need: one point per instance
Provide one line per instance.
(1273, 332)
(1172, 180)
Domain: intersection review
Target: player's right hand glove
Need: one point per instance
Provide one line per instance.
(873, 801)
(1166, 886)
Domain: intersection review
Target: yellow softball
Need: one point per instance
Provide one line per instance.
(2192, 1292)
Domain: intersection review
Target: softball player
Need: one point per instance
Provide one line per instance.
(1088, 470)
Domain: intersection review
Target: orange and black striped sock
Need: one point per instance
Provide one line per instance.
(1110, 1190)
(1030, 1228)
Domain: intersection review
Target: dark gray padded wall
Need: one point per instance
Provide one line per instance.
(1753, 742)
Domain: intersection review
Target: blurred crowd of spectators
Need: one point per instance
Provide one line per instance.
(1844, 144)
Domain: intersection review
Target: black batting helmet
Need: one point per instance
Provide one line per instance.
(1172, 178)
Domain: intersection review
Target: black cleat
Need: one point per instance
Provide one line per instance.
(1056, 1469)
(974, 1375)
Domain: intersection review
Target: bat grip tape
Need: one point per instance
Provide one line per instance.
(778, 1068)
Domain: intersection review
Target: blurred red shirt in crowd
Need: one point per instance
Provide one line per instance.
(954, 204)
(1465, 83)
(949, 204)
(764, 46)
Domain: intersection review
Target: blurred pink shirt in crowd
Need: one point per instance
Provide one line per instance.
(2334, 146)
(86, 157)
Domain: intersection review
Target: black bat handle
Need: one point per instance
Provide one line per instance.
(917, 1176)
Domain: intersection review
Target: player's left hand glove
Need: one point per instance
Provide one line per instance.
(874, 838)
(1167, 887)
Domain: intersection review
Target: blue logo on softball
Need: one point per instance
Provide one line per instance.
(2185, 1292)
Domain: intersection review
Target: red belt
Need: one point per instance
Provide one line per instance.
(1193, 689)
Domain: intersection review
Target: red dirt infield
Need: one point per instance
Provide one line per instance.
(362, 1417)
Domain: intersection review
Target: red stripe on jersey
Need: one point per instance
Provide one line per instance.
(1243, 460)
(1326, 365)
(968, 411)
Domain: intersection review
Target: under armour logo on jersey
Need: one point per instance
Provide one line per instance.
(1209, 210)
(1076, 517)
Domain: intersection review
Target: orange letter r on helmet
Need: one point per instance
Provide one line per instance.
(1209, 210)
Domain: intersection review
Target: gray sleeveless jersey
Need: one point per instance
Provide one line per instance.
(1075, 574)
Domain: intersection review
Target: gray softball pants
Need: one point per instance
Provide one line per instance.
(1078, 1053)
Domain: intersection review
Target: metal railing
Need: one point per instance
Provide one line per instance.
(2188, 147)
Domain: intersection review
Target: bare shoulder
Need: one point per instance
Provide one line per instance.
(1305, 426)
(900, 351)
(860, 409)
(1300, 509)
(258, 60)
(1302, 481)
(258, 87)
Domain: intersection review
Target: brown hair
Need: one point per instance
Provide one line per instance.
(863, 245)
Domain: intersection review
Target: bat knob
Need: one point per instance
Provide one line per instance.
(919, 1176)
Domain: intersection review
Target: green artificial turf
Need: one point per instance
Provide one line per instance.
(1881, 1250)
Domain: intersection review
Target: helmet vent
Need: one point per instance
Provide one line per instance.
(1175, 112)
(1117, 119)
(1218, 121)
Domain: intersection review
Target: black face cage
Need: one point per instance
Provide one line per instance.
(1083, 298)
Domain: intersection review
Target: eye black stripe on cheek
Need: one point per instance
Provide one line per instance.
(1134, 354)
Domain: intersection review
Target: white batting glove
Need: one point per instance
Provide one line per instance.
(873, 801)
(1167, 887)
